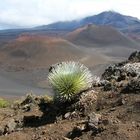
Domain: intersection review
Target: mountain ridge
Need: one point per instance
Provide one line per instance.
(113, 19)
(128, 25)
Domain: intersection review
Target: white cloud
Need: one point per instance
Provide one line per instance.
(30, 13)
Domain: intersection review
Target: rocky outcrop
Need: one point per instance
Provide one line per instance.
(123, 77)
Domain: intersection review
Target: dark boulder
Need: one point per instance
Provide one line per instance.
(132, 87)
(134, 57)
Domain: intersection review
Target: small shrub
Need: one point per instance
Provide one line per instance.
(68, 79)
(3, 103)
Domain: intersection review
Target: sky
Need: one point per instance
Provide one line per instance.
(31, 13)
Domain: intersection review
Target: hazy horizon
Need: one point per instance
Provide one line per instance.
(26, 14)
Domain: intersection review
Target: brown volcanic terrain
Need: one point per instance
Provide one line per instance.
(37, 51)
(110, 110)
(26, 59)
(40, 51)
(32, 50)
(99, 36)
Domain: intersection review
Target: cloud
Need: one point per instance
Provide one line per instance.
(29, 13)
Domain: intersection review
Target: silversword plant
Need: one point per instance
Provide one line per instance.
(68, 79)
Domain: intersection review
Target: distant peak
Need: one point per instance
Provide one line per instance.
(110, 12)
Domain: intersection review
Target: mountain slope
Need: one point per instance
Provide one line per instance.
(99, 35)
(37, 51)
(33, 51)
(105, 18)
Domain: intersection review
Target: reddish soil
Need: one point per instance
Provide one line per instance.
(120, 120)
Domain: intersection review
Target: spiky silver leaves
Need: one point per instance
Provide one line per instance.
(68, 79)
